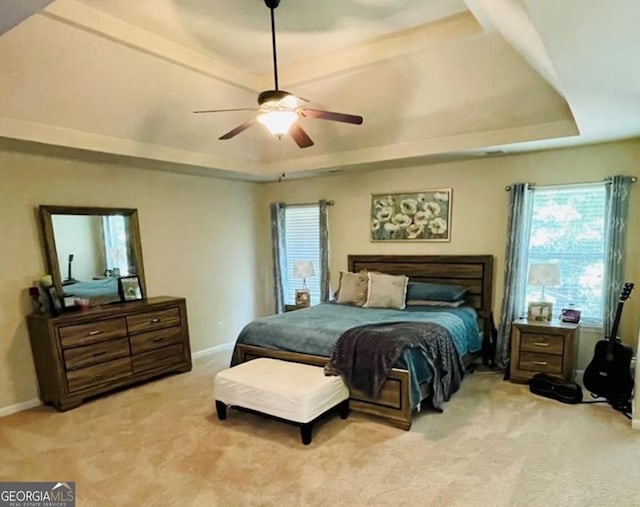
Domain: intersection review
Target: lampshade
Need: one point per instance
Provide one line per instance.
(303, 269)
(278, 122)
(547, 274)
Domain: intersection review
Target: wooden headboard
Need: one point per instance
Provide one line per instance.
(473, 271)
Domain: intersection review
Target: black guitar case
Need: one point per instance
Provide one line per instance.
(556, 389)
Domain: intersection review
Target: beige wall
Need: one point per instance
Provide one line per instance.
(198, 240)
(480, 205)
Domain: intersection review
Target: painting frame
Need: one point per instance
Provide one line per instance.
(130, 288)
(411, 216)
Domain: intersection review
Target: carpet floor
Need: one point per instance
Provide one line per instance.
(160, 444)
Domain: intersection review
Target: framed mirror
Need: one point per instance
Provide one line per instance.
(88, 249)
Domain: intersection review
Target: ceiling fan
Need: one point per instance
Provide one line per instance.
(279, 110)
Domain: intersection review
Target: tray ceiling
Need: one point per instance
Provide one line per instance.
(432, 79)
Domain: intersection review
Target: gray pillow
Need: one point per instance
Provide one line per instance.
(352, 288)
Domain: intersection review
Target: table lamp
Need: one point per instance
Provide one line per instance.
(542, 275)
(304, 270)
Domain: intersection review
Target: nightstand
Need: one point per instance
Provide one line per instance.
(543, 347)
(291, 308)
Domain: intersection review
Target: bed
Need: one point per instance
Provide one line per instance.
(307, 336)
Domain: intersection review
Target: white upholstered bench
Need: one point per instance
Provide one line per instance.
(292, 392)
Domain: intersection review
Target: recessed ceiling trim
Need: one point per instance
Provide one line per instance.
(70, 138)
(424, 147)
(91, 20)
(414, 40)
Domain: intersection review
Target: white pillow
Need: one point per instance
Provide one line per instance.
(386, 291)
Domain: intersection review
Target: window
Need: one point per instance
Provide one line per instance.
(302, 243)
(567, 227)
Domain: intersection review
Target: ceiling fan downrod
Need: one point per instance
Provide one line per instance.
(273, 4)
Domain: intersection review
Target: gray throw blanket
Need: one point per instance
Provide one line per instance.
(363, 356)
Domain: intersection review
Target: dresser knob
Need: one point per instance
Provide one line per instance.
(540, 363)
(541, 344)
(93, 333)
(154, 321)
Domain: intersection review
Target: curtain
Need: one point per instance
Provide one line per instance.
(617, 211)
(115, 234)
(279, 252)
(324, 252)
(516, 258)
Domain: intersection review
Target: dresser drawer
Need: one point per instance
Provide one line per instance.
(99, 374)
(145, 342)
(149, 321)
(160, 358)
(97, 331)
(544, 343)
(80, 357)
(543, 363)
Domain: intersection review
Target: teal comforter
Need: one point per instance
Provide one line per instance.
(315, 330)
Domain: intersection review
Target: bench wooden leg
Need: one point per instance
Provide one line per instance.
(343, 408)
(221, 408)
(305, 433)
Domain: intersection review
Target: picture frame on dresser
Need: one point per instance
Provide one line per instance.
(129, 288)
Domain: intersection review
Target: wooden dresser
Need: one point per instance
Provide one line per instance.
(543, 347)
(81, 354)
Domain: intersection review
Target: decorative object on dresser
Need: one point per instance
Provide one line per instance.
(542, 347)
(129, 288)
(411, 216)
(541, 275)
(85, 353)
(304, 270)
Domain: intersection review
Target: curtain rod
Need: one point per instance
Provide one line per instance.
(329, 203)
(606, 181)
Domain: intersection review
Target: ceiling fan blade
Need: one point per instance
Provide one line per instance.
(224, 110)
(329, 115)
(238, 129)
(300, 136)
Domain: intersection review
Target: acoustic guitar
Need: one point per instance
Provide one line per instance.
(609, 372)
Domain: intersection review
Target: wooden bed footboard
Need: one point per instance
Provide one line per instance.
(393, 404)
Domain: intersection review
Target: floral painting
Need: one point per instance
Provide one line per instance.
(411, 216)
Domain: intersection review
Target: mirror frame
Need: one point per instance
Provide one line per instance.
(51, 254)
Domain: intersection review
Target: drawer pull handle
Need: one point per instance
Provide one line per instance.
(541, 344)
(540, 363)
(154, 321)
(156, 340)
(94, 333)
(98, 354)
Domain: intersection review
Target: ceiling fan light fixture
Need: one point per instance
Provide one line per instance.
(278, 122)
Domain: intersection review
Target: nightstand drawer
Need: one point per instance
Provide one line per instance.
(543, 343)
(543, 363)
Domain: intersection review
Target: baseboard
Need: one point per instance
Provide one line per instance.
(19, 407)
(213, 350)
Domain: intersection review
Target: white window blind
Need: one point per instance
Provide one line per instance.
(302, 243)
(567, 227)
